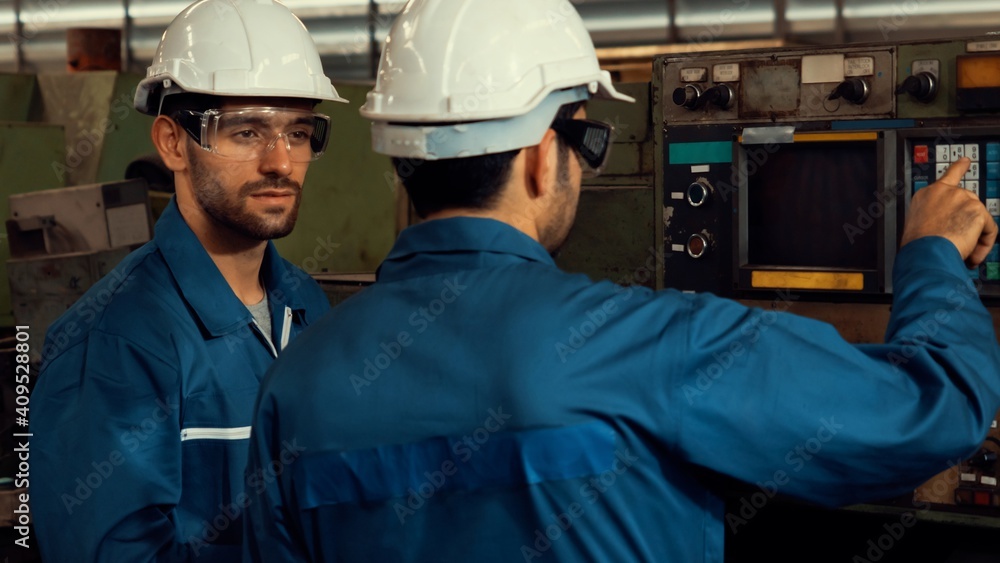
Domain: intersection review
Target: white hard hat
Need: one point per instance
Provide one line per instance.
(486, 64)
(235, 48)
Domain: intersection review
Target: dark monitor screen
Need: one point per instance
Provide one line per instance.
(802, 202)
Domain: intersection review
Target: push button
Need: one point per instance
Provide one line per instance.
(993, 170)
(972, 151)
(973, 173)
(943, 154)
(921, 154)
(957, 152)
(993, 188)
(917, 186)
(972, 186)
(993, 152)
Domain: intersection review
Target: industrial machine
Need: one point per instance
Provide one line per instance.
(63, 241)
(791, 170)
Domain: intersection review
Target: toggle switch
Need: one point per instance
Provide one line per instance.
(923, 86)
(689, 97)
(721, 95)
(854, 90)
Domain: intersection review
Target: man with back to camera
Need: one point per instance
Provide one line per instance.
(143, 407)
(440, 415)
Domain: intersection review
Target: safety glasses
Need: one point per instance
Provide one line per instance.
(590, 139)
(249, 134)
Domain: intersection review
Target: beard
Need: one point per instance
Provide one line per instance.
(231, 211)
(554, 234)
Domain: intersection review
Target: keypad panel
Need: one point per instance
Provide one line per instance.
(929, 160)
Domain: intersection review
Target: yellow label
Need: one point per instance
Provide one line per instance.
(837, 281)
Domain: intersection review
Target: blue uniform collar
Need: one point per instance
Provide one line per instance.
(202, 284)
(459, 243)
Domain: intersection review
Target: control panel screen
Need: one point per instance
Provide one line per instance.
(807, 206)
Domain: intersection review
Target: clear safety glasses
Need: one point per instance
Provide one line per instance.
(249, 134)
(590, 139)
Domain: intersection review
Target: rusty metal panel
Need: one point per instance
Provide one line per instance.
(613, 237)
(770, 88)
(81, 103)
(127, 135)
(944, 103)
(763, 79)
(17, 91)
(27, 153)
(43, 288)
(632, 122)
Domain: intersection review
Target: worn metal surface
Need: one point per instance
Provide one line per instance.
(613, 237)
(127, 135)
(43, 288)
(86, 218)
(17, 92)
(944, 104)
(347, 219)
(775, 78)
(81, 103)
(26, 154)
(631, 121)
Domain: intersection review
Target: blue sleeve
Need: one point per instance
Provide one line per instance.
(106, 424)
(267, 536)
(784, 402)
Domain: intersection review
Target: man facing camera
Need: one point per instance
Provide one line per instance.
(142, 409)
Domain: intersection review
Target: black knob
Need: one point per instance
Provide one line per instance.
(923, 86)
(721, 95)
(698, 194)
(854, 90)
(689, 97)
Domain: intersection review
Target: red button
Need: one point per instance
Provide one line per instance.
(921, 154)
(982, 498)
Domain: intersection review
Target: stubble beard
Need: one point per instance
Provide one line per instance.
(231, 211)
(555, 233)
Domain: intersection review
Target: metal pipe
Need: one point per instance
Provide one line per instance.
(127, 35)
(19, 36)
(673, 34)
(781, 20)
(373, 50)
(840, 25)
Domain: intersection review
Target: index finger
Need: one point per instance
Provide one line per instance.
(956, 172)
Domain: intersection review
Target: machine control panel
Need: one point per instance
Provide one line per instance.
(927, 161)
(792, 85)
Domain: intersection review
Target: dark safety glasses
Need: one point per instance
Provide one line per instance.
(590, 139)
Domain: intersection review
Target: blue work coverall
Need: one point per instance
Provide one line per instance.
(142, 409)
(479, 404)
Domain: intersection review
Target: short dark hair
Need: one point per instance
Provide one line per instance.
(469, 183)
